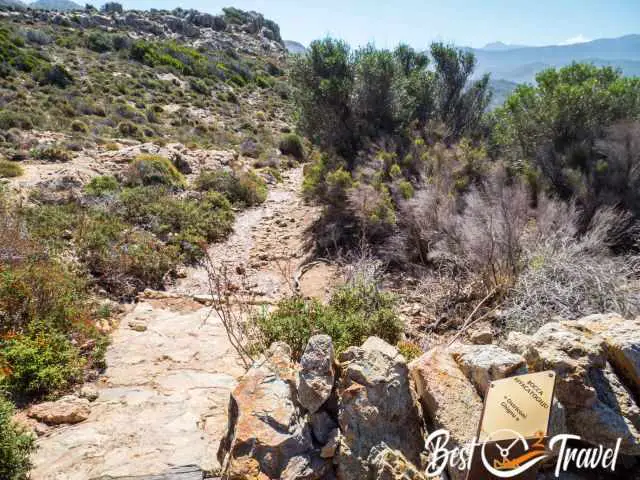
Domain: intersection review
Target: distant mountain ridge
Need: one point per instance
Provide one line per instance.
(61, 5)
(521, 64)
(294, 47)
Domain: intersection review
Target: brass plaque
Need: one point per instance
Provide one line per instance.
(520, 404)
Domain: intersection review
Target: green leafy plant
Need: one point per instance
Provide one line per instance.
(153, 170)
(10, 169)
(15, 445)
(245, 188)
(354, 313)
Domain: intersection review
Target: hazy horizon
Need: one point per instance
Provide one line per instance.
(463, 22)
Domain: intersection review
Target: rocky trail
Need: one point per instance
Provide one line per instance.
(161, 404)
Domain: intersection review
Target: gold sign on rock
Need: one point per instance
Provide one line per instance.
(519, 404)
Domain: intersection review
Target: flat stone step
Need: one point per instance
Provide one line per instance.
(188, 472)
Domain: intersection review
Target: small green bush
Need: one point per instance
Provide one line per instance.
(15, 445)
(9, 119)
(56, 75)
(79, 126)
(40, 363)
(354, 313)
(153, 170)
(102, 186)
(245, 188)
(129, 129)
(52, 154)
(10, 169)
(100, 42)
(187, 223)
(291, 144)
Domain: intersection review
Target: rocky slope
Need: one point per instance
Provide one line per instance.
(366, 413)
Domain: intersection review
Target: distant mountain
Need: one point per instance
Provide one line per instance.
(521, 64)
(294, 47)
(60, 5)
(12, 4)
(499, 46)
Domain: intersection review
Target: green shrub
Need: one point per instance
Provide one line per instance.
(187, 223)
(9, 119)
(291, 144)
(10, 169)
(39, 363)
(354, 313)
(51, 154)
(129, 129)
(100, 42)
(15, 445)
(124, 260)
(245, 188)
(56, 75)
(102, 186)
(153, 170)
(79, 126)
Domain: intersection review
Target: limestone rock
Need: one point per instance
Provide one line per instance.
(68, 409)
(389, 464)
(482, 337)
(316, 373)
(90, 392)
(600, 406)
(622, 343)
(377, 406)
(331, 446)
(307, 467)
(483, 364)
(265, 421)
(321, 425)
(448, 398)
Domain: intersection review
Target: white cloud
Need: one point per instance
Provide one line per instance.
(577, 39)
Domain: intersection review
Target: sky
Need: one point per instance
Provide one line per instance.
(419, 22)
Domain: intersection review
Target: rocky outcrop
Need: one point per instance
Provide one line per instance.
(272, 433)
(377, 406)
(362, 417)
(69, 409)
(449, 400)
(266, 422)
(483, 364)
(596, 360)
(317, 374)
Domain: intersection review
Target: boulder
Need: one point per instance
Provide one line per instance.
(622, 344)
(317, 373)
(587, 356)
(265, 421)
(377, 406)
(332, 444)
(69, 409)
(321, 425)
(483, 364)
(307, 467)
(389, 464)
(448, 398)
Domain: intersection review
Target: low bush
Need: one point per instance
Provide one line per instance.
(291, 144)
(153, 170)
(10, 119)
(51, 154)
(38, 363)
(10, 169)
(187, 223)
(354, 313)
(15, 445)
(102, 186)
(56, 75)
(245, 188)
